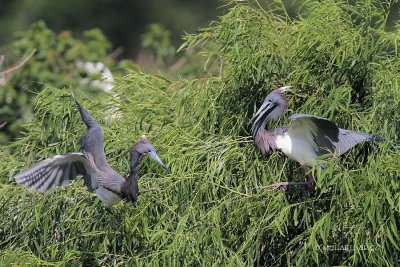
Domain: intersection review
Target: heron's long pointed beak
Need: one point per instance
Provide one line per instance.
(261, 109)
(154, 156)
(264, 107)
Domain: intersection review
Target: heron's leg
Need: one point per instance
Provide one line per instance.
(286, 184)
(309, 183)
(310, 175)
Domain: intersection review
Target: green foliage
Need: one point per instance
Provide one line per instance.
(55, 63)
(123, 21)
(157, 39)
(214, 209)
(56, 55)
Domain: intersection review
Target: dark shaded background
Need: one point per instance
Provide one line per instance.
(122, 21)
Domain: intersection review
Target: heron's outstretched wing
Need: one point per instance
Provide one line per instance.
(58, 170)
(92, 141)
(321, 132)
(348, 139)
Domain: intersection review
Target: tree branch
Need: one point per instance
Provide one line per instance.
(14, 68)
(2, 125)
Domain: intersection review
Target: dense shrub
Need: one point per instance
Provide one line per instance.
(214, 209)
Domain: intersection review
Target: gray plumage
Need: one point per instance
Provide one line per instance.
(56, 171)
(306, 138)
(92, 164)
(324, 132)
(348, 139)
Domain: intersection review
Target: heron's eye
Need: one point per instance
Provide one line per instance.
(270, 100)
(149, 151)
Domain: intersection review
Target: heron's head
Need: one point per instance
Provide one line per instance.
(145, 148)
(273, 107)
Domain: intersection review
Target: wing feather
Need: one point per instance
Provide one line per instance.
(325, 136)
(56, 171)
(41, 180)
(320, 132)
(348, 139)
(67, 171)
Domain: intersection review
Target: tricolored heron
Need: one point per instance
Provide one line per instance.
(92, 164)
(305, 139)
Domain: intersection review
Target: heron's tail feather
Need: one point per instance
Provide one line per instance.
(375, 138)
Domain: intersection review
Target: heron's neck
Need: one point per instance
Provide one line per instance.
(135, 159)
(130, 187)
(264, 140)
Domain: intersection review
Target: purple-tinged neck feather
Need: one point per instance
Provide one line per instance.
(264, 141)
(130, 187)
(273, 108)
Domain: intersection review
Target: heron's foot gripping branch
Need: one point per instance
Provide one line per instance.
(287, 184)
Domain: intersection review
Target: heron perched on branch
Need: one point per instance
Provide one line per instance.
(92, 164)
(305, 139)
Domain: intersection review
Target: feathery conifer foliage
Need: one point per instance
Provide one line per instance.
(214, 209)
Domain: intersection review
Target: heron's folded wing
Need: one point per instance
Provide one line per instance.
(348, 139)
(320, 131)
(58, 170)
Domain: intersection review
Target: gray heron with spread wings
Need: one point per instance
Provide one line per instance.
(307, 138)
(91, 163)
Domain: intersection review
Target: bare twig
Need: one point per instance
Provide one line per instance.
(116, 53)
(181, 61)
(14, 68)
(177, 65)
(2, 125)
